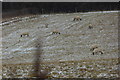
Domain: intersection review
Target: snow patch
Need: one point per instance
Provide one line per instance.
(102, 75)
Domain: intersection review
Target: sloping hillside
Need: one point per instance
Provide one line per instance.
(21, 35)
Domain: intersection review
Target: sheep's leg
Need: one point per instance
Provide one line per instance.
(27, 35)
(101, 52)
(74, 19)
(93, 53)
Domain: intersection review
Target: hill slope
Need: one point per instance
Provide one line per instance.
(72, 44)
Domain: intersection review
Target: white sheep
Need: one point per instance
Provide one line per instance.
(24, 34)
(55, 32)
(94, 46)
(77, 18)
(98, 51)
(90, 26)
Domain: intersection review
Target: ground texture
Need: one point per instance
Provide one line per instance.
(65, 55)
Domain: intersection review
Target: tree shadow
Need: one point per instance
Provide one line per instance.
(38, 72)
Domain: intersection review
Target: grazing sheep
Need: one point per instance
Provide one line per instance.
(94, 46)
(90, 26)
(98, 51)
(77, 18)
(55, 32)
(24, 34)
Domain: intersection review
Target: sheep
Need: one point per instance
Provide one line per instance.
(77, 18)
(55, 32)
(24, 34)
(90, 26)
(98, 51)
(94, 46)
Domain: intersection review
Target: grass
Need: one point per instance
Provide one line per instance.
(68, 66)
(92, 67)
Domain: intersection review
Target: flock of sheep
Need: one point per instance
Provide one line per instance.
(95, 48)
(76, 18)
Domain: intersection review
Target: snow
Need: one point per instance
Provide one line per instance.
(75, 44)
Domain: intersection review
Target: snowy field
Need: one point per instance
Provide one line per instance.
(72, 46)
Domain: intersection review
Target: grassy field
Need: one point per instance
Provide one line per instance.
(64, 55)
(105, 68)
